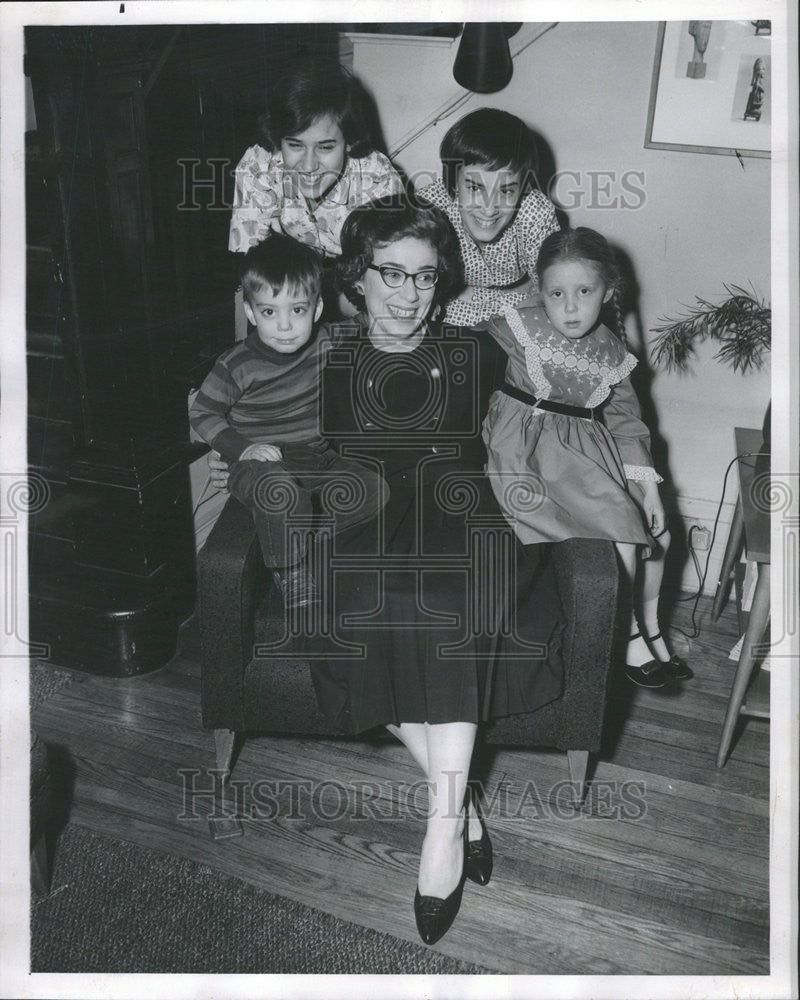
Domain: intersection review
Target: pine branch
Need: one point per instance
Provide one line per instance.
(742, 324)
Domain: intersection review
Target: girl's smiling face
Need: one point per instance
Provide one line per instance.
(572, 294)
(487, 199)
(315, 156)
(399, 312)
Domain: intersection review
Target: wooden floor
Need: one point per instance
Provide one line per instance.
(663, 871)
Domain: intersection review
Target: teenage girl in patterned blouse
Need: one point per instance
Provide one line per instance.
(488, 192)
(557, 469)
(318, 164)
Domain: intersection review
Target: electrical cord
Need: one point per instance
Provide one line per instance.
(696, 562)
(200, 499)
(702, 578)
(445, 113)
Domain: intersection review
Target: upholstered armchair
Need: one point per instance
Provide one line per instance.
(246, 693)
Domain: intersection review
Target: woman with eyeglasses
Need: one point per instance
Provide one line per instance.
(414, 603)
(419, 593)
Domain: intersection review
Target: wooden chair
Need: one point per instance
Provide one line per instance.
(239, 694)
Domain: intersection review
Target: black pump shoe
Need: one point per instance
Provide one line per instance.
(675, 668)
(435, 916)
(478, 858)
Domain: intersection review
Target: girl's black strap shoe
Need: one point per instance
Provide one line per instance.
(648, 675)
(676, 668)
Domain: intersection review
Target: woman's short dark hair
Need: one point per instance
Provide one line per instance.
(386, 220)
(491, 138)
(311, 91)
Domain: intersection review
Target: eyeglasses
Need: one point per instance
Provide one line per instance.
(395, 277)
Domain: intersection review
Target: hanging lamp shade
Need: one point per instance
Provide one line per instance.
(483, 61)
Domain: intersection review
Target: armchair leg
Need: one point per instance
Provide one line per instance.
(224, 741)
(226, 824)
(578, 761)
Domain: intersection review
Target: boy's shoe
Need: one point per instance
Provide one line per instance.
(297, 586)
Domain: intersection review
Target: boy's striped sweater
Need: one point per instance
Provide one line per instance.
(255, 394)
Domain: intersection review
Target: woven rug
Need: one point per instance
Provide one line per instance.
(117, 907)
(46, 680)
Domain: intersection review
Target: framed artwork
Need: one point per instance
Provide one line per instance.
(711, 90)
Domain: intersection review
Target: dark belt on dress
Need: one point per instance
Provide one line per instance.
(511, 286)
(546, 404)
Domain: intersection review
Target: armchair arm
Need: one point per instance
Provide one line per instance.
(586, 577)
(586, 570)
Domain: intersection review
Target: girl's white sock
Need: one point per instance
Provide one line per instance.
(637, 652)
(650, 627)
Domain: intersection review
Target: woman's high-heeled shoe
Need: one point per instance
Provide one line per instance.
(435, 916)
(478, 856)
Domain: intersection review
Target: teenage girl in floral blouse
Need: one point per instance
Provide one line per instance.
(317, 164)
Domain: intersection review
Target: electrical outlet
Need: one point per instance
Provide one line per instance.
(699, 537)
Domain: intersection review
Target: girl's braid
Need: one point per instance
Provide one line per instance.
(615, 306)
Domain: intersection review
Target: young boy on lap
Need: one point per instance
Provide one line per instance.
(258, 408)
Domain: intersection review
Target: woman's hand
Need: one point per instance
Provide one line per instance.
(261, 453)
(653, 509)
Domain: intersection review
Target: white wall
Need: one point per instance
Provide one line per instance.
(703, 220)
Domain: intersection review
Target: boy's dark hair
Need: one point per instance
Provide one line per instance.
(491, 138)
(381, 222)
(312, 91)
(280, 260)
(584, 244)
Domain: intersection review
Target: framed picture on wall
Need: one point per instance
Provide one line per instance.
(711, 90)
